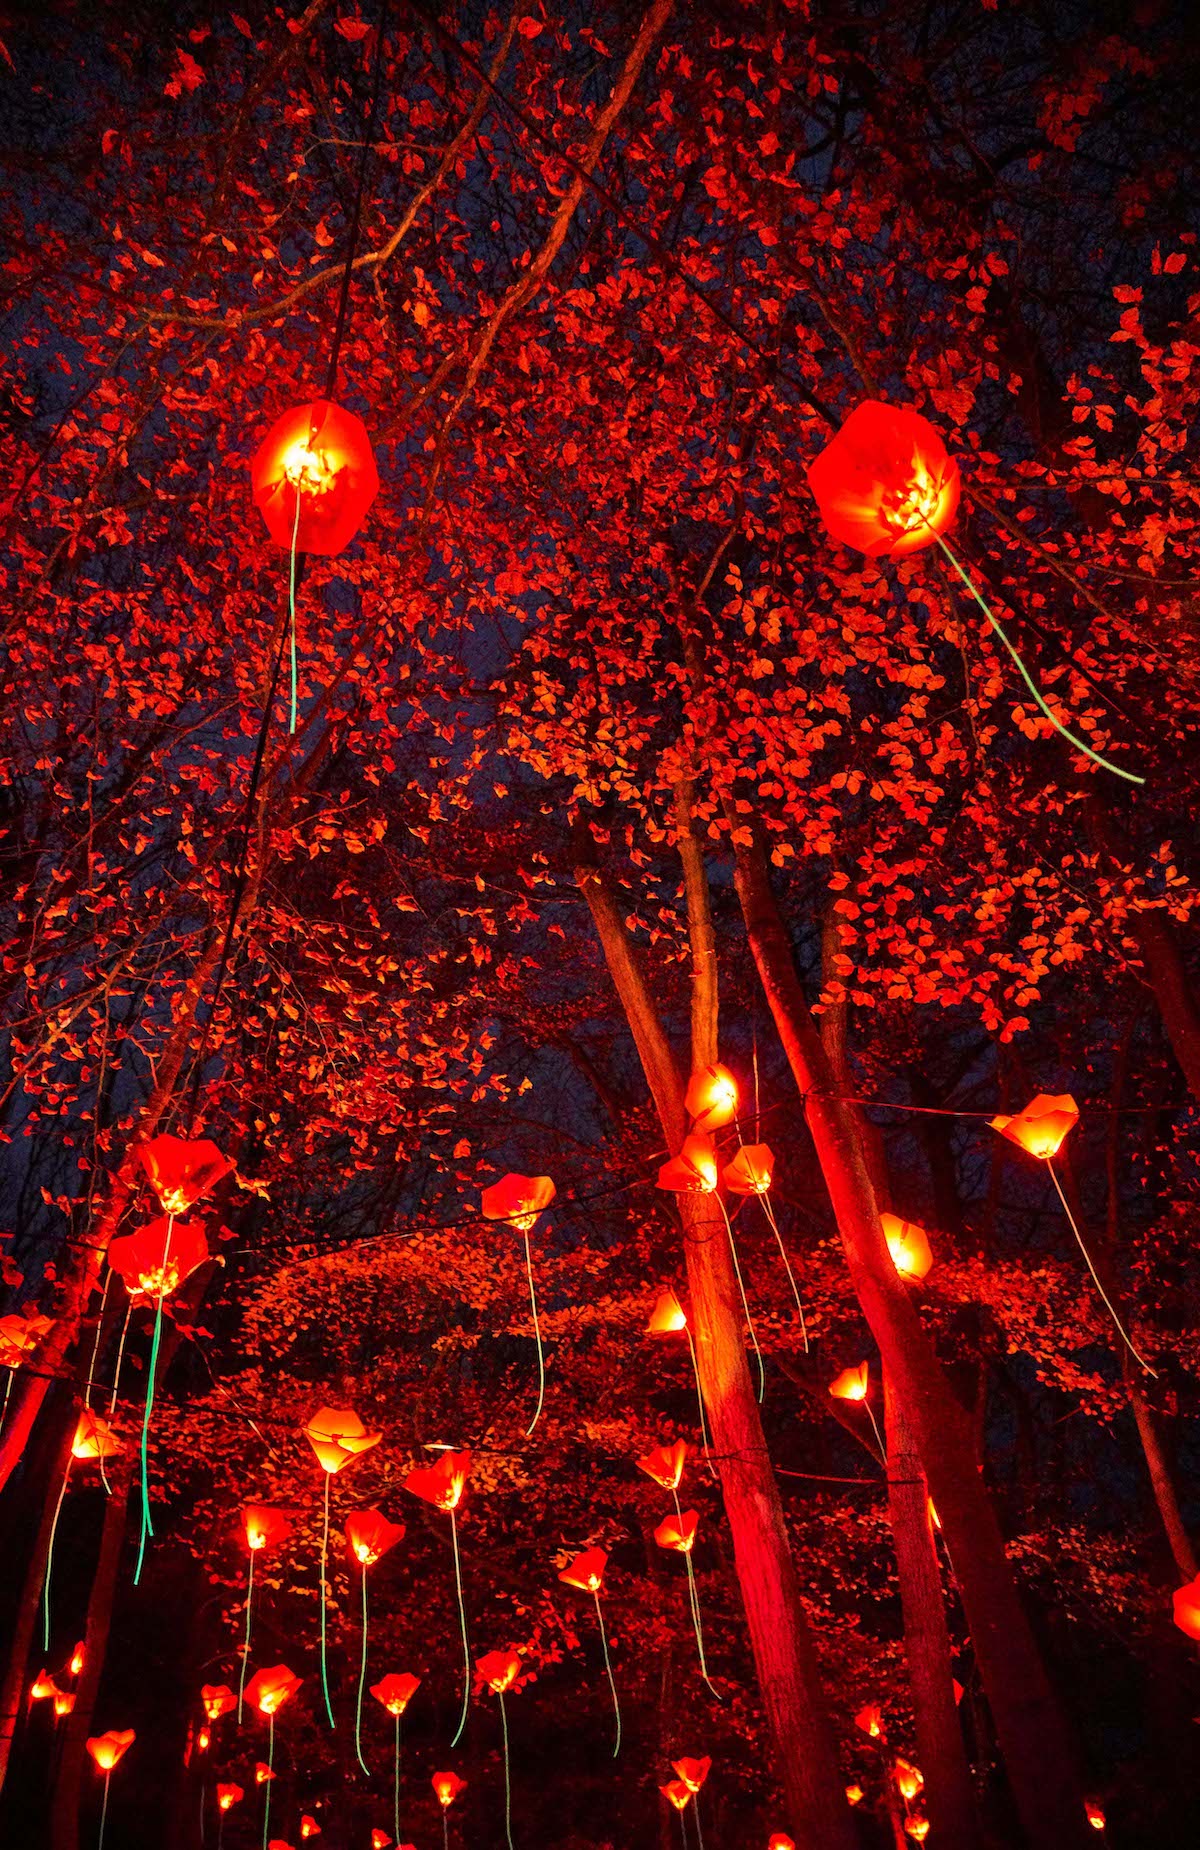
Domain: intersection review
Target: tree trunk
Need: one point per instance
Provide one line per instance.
(64, 1809)
(780, 1640)
(1037, 1747)
(949, 1795)
(16, 1673)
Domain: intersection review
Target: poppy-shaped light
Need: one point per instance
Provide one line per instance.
(711, 1099)
(751, 1170)
(694, 1171)
(447, 1786)
(42, 1687)
(586, 1571)
(182, 1170)
(20, 1333)
(870, 1720)
(76, 1663)
(64, 1702)
(264, 1527)
(693, 1773)
(885, 484)
(107, 1749)
(917, 1828)
(379, 1839)
(268, 1690)
(337, 1435)
(909, 1780)
(851, 1384)
(678, 1532)
(908, 1244)
(441, 1484)
(94, 1437)
(665, 1464)
(854, 1795)
(154, 1261)
(518, 1200)
(935, 1521)
(1095, 1814)
(369, 1535)
(218, 1699)
(676, 1794)
(779, 1840)
(229, 1796)
(1042, 1126)
(309, 1826)
(668, 1315)
(317, 456)
(203, 1740)
(1186, 1604)
(396, 1691)
(263, 1773)
(498, 1670)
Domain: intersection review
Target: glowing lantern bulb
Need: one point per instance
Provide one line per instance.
(908, 1245)
(309, 1827)
(203, 1740)
(909, 1779)
(42, 1687)
(694, 1171)
(229, 1796)
(779, 1840)
(447, 1787)
(667, 1316)
(917, 1828)
(870, 1720)
(1041, 1128)
(676, 1793)
(884, 483)
(1186, 1602)
(851, 1384)
(1095, 1814)
(108, 1748)
(854, 1795)
(314, 476)
(711, 1100)
(64, 1702)
(76, 1663)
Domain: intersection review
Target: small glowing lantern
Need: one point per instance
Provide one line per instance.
(885, 484)
(711, 1099)
(314, 478)
(908, 1245)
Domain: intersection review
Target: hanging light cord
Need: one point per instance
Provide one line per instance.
(339, 326)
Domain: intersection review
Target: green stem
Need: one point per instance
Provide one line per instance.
(1105, 764)
(292, 606)
(608, 1667)
(268, 1783)
(696, 1816)
(8, 1388)
(507, 1775)
(103, 1811)
(462, 1619)
(876, 1431)
(324, 1601)
(737, 1271)
(116, 1386)
(537, 1337)
(362, 1677)
(396, 1787)
(246, 1645)
(687, 1330)
(1125, 1338)
(787, 1265)
(147, 1524)
(50, 1554)
(694, 1601)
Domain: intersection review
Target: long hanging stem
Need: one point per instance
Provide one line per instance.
(507, 1775)
(268, 1783)
(683, 1828)
(608, 1667)
(362, 1677)
(696, 1816)
(445, 1829)
(462, 1619)
(1125, 1338)
(694, 1602)
(769, 1211)
(324, 1599)
(396, 1786)
(103, 1810)
(246, 1644)
(203, 1829)
(116, 1386)
(876, 1431)
(737, 1270)
(292, 605)
(87, 1392)
(147, 1524)
(1105, 764)
(50, 1554)
(8, 1388)
(537, 1337)
(687, 1330)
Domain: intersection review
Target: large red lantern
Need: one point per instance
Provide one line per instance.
(885, 483)
(314, 478)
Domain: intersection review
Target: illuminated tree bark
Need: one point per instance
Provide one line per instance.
(779, 1636)
(1038, 1750)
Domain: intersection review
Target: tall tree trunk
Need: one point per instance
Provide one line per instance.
(64, 1809)
(1037, 1746)
(16, 1671)
(779, 1636)
(949, 1795)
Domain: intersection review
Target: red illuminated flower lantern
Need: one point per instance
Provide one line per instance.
(693, 1773)
(779, 1840)
(1186, 1604)
(917, 1828)
(678, 1532)
(264, 1527)
(909, 1780)
(518, 1200)
(694, 1170)
(676, 1794)
(20, 1333)
(498, 1671)
(851, 1384)
(268, 1690)
(441, 1484)
(1095, 1814)
(42, 1687)
(1042, 1127)
(309, 1826)
(181, 1170)
(94, 1437)
(667, 1316)
(314, 476)
(154, 1261)
(228, 1796)
(379, 1839)
(855, 1795)
(263, 1774)
(107, 1749)
(586, 1571)
(870, 1720)
(885, 484)
(665, 1464)
(711, 1099)
(337, 1435)
(76, 1663)
(396, 1691)
(447, 1787)
(218, 1699)
(908, 1245)
(64, 1702)
(369, 1535)
(751, 1170)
